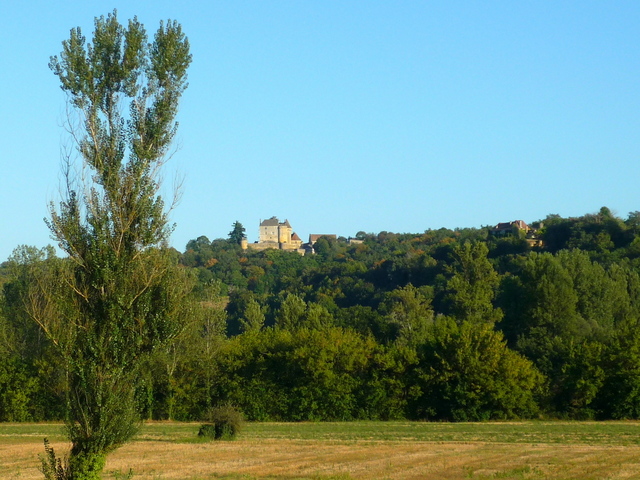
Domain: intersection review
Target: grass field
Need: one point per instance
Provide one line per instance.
(359, 450)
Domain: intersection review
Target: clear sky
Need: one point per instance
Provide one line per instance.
(343, 116)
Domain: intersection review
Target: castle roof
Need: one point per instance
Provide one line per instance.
(271, 222)
(508, 225)
(274, 222)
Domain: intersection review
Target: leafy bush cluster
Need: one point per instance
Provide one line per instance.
(223, 423)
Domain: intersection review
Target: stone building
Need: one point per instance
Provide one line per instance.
(518, 227)
(509, 228)
(276, 234)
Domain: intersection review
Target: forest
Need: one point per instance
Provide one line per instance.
(446, 325)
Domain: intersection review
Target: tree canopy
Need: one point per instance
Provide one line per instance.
(119, 295)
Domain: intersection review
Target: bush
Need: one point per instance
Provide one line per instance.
(207, 430)
(223, 423)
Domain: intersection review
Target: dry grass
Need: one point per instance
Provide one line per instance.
(369, 460)
(265, 458)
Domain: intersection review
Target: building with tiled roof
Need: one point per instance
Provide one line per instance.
(507, 228)
(276, 234)
(518, 227)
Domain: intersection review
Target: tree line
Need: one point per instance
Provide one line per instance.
(443, 325)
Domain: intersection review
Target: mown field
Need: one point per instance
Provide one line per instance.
(358, 450)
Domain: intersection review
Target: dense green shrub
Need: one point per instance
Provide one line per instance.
(223, 423)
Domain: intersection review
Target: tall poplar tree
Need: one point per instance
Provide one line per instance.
(120, 295)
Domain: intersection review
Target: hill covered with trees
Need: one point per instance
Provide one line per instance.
(443, 325)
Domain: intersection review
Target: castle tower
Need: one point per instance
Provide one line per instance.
(284, 232)
(269, 230)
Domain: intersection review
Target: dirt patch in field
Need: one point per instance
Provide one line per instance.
(287, 459)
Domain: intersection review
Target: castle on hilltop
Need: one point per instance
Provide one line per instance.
(279, 235)
(276, 234)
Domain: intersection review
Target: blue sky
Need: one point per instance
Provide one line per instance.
(355, 115)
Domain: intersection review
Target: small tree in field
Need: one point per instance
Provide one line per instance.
(120, 295)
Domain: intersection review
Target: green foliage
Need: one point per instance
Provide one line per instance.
(559, 308)
(467, 373)
(253, 318)
(223, 423)
(19, 335)
(208, 431)
(541, 304)
(290, 316)
(473, 285)
(619, 397)
(53, 467)
(179, 376)
(410, 312)
(388, 382)
(237, 234)
(31, 377)
(119, 296)
(301, 374)
(18, 388)
(575, 391)
(295, 313)
(601, 234)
